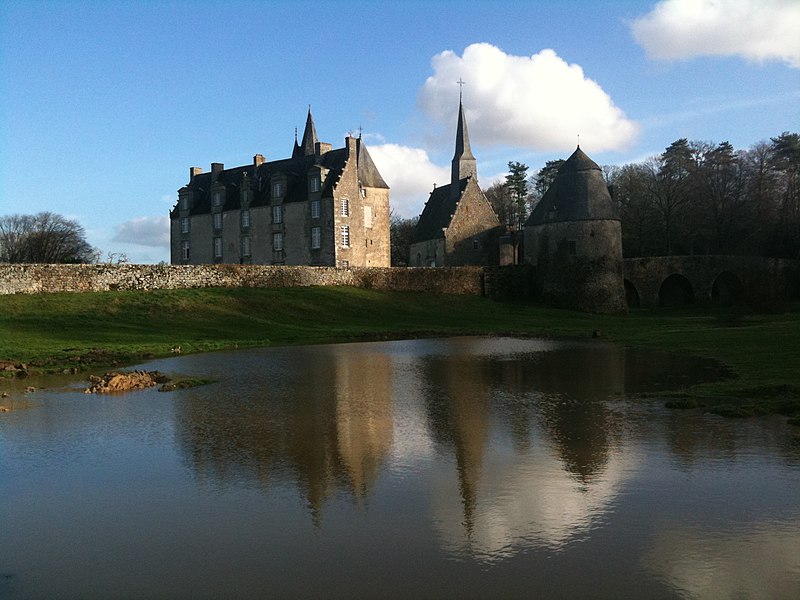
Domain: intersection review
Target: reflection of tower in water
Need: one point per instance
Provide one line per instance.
(457, 396)
(321, 421)
(364, 423)
(574, 408)
(568, 389)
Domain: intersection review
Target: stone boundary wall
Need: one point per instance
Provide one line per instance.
(40, 279)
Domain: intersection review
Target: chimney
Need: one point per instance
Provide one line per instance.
(350, 144)
(216, 169)
(321, 148)
(258, 160)
(194, 171)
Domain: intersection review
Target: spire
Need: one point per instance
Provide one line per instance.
(296, 150)
(309, 136)
(463, 161)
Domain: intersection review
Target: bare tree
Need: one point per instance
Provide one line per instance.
(44, 238)
(502, 202)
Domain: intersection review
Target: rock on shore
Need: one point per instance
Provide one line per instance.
(123, 382)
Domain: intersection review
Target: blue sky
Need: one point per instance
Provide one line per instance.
(104, 106)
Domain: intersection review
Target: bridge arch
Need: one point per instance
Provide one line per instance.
(632, 296)
(726, 289)
(675, 290)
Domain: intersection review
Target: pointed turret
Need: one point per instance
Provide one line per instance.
(309, 136)
(297, 151)
(463, 165)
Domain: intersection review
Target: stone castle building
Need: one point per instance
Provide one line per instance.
(318, 207)
(458, 225)
(574, 240)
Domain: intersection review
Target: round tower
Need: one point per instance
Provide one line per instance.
(574, 239)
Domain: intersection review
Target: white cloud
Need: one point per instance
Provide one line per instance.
(754, 29)
(538, 102)
(410, 175)
(144, 231)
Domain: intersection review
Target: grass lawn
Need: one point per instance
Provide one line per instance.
(51, 332)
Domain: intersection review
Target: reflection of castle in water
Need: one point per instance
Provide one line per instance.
(465, 393)
(324, 432)
(524, 419)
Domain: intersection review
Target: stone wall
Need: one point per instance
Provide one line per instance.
(762, 282)
(35, 279)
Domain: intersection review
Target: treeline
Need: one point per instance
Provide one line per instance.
(694, 198)
(701, 198)
(44, 238)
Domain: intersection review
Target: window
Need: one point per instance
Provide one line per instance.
(315, 238)
(217, 247)
(246, 246)
(315, 209)
(217, 220)
(363, 192)
(277, 242)
(313, 184)
(184, 250)
(572, 247)
(345, 207)
(345, 236)
(217, 199)
(277, 189)
(277, 214)
(368, 217)
(245, 219)
(184, 203)
(185, 225)
(345, 264)
(476, 245)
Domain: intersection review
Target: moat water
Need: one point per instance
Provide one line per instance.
(456, 468)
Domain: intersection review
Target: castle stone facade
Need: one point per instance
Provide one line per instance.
(574, 239)
(320, 207)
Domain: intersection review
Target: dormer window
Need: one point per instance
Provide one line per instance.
(217, 199)
(277, 189)
(184, 203)
(314, 183)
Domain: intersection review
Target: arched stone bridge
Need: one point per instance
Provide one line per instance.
(678, 280)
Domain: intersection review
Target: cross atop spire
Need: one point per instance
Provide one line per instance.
(460, 83)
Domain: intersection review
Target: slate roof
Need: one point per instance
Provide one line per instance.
(438, 212)
(368, 173)
(578, 193)
(295, 172)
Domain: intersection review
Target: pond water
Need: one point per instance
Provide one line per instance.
(464, 467)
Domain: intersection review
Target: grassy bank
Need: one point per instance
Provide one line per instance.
(52, 332)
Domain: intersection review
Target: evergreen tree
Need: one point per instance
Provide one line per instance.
(517, 185)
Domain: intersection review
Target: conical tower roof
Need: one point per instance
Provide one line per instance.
(578, 193)
(309, 136)
(464, 164)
